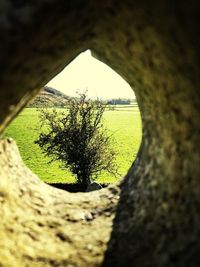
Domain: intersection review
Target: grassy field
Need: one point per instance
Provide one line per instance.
(125, 123)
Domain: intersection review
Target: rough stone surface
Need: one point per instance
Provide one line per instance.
(155, 47)
(44, 226)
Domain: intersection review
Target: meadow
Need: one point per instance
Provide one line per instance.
(124, 122)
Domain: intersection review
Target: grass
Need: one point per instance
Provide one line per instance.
(125, 123)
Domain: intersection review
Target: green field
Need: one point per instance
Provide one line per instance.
(125, 123)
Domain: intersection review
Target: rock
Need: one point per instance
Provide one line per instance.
(48, 224)
(155, 47)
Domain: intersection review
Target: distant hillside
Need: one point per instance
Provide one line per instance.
(49, 97)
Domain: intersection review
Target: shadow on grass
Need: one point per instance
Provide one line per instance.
(72, 187)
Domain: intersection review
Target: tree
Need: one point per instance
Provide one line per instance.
(119, 101)
(78, 139)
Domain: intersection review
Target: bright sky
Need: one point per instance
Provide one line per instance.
(86, 72)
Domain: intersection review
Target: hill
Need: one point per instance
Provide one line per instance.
(49, 97)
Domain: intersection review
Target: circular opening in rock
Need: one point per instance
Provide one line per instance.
(121, 118)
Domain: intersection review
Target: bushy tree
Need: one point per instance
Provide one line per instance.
(78, 139)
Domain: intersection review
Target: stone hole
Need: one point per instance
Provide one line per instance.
(152, 217)
(123, 120)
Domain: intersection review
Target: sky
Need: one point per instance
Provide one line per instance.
(87, 73)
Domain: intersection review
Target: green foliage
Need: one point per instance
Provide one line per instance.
(78, 139)
(119, 101)
(124, 122)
